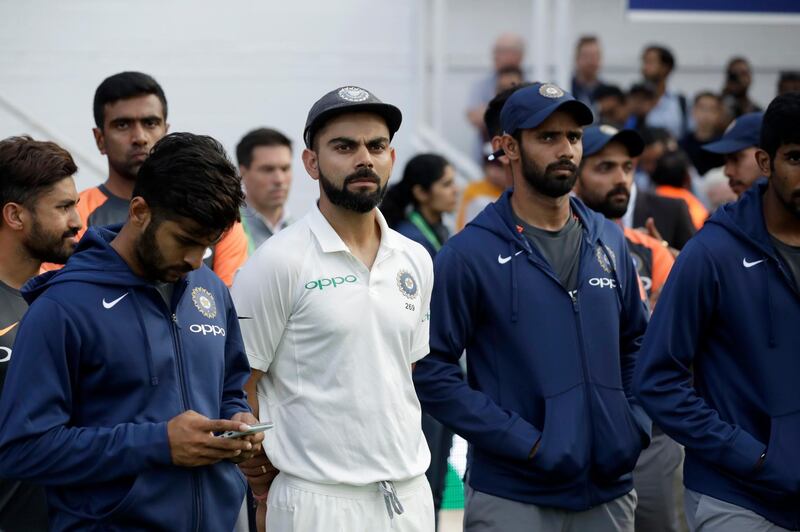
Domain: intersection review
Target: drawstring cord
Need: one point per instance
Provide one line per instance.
(393, 504)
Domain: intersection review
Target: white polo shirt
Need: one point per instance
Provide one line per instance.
(336, 342)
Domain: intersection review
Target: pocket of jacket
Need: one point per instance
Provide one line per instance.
(781, 468)
(563, 450)
(617, 439)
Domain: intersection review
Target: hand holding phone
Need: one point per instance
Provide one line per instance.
(254, 429)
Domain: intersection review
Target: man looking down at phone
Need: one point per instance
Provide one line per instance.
(130, 358)
(334, 311)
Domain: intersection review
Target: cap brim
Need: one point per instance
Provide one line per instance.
(576, 108)
(631, 140)
(388, 112)
(726, 146)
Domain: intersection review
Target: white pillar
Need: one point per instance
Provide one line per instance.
(563, 46)
(438, 56)
(538, 41)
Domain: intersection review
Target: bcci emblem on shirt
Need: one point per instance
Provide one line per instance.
(407, 285)
(204, 302)
(606, 258)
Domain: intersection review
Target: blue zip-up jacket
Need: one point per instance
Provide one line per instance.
(543, 365)
(100, 365)
(720, 363)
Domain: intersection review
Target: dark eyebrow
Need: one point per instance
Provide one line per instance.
(376, 140)
(67, 203)
(342, 140)
(119, 119)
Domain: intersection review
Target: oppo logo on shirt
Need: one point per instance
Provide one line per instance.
(321, 284)
(603, 282)
(204, 329)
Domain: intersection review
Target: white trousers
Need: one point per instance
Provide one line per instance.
(296, 505)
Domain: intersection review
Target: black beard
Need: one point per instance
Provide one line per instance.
(361, 202)
(149, 255)
(546, 181)
(48, 247)
(610, 209)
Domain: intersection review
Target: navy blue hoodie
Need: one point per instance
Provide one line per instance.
(100, 365)
(542, 363)
(720, 364)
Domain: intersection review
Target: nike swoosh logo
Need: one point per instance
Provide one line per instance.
(502, 260)
(245, 317)
(111, 304)
(747, 264)
(4, 331)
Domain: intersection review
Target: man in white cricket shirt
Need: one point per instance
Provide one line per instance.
(334, 312)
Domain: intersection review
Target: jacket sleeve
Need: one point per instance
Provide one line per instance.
(37, 439)
(663, 377)
(237, 368)
(439, 380)
(633, 324)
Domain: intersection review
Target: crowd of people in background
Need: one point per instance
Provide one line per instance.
(539, 341)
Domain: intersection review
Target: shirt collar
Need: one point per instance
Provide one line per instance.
(330, 241)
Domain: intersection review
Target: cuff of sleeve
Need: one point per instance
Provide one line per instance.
(644, 423)
(743, 453)
(258, 363)
(157, 439)
(419, 354)
(518, 440)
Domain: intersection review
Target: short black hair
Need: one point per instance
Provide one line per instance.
(787, 76)
(665, 55)
(651, 135)
(123, 86)
(707, 94)
(491, 117)
(643, 88)
(30, 168)
(671, 169)
(780, 123)
(263, 136)
(609, 91)
(190, 176)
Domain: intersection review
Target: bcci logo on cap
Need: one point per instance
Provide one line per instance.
(606, 259)
(353, 94)
(608, 130)
(204, 302)
(407, 285)
(548, 90)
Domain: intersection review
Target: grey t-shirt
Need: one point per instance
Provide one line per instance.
(791, 255)
(561, 249)
(166, 290)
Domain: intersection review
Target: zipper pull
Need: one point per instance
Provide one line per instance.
(574, 297)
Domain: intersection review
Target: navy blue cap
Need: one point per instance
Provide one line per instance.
(349, 99)
(595, 138)
(530, 106)
(743, 133)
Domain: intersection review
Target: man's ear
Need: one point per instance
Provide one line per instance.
(99, 139)
(311, 162)
(510, 147)
(139, 213)
(763, 160)
(14, 216)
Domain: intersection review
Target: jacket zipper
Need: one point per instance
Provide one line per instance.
(184, 402)
(584, 363)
